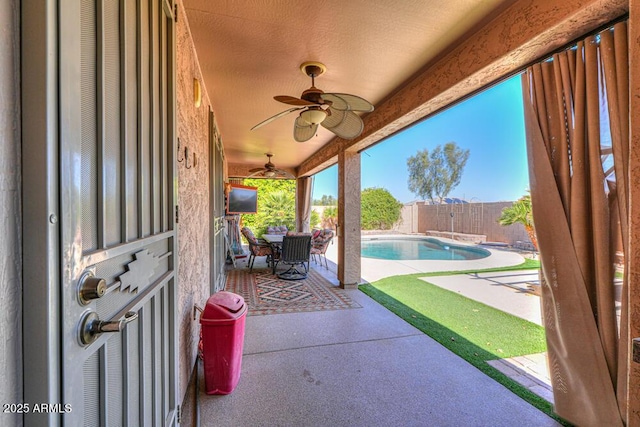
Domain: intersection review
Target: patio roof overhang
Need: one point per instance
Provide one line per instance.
(446, 52)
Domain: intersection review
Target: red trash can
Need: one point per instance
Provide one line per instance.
(222, 334)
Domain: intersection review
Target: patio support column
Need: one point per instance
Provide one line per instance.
(633, 252)
(349, 219)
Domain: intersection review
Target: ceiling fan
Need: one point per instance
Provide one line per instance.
(269, 171)
(333, 111)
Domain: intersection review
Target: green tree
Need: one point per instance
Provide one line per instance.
(379, 209)
(330, 217)
(325, 200)
(520, 212)
(314, 221)
(434, 175)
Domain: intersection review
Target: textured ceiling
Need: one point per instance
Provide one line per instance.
(251, 50)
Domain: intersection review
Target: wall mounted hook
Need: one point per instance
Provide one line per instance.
(179, 152)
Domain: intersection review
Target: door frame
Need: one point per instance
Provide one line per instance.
(41, 330)
(217, 249)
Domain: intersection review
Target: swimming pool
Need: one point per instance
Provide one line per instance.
(418, 249)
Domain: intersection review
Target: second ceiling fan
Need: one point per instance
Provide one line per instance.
(333, 111)
(269, 171)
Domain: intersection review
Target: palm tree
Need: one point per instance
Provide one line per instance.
(279, 209)
(520, 212)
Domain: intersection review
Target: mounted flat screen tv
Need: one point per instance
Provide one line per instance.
(242, 199)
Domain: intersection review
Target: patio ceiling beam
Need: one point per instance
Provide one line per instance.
(526, 31)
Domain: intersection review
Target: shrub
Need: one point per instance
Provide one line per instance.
(379, 209)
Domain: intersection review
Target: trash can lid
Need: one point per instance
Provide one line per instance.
(223, 305)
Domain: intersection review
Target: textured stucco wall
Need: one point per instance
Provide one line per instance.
(10, 222)
(193, 199)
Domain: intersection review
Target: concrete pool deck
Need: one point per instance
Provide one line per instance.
(376, 269)
(507, 291)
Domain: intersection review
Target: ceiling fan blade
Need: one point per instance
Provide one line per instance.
(291, 100)
(345, 124)
(346, 102)
(303, 131)
(272, 118)
(276, 173)
(257, 174)
(283, 174)
(256, 170)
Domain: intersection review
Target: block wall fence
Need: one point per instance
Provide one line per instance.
(468, 218)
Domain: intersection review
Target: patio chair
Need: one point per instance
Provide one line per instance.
(257, 247)
(296, 251)
(319, 244)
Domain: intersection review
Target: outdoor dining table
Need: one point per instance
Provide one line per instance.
(273, 238)
(275, 241)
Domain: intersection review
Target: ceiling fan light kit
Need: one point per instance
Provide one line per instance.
(333, 111)
(313, 116)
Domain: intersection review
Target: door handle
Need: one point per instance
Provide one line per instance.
(91, 327)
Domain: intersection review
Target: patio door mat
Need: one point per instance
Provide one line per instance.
(265, 293)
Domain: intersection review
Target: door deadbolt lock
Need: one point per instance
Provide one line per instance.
(91, 327)
(90, 288)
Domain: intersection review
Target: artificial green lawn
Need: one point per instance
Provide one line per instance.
(472, 330)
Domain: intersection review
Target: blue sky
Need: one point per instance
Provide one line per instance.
(490, 125)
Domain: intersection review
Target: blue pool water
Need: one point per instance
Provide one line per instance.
(415, 249)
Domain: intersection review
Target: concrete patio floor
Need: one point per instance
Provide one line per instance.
(357, 367)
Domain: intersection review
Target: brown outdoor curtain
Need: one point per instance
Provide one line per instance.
(303, 203)
(576, 117)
